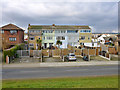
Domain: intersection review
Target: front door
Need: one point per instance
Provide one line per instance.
(45, 45)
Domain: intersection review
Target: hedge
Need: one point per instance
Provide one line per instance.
(12, 51)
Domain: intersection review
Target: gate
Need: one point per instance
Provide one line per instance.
(37, 53)
(23, 53)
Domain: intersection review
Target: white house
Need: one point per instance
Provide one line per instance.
(101, 39)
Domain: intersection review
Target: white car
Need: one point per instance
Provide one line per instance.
(71, 56)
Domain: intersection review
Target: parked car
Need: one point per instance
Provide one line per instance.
(71, 57)
(85, 58)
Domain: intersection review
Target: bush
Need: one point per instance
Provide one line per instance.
(12, 52)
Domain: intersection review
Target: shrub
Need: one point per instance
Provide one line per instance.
(12, 51)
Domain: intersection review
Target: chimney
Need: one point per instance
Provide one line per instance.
(28, 24)
(53, 25)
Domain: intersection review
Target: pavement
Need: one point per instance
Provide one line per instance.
(53, 72)
(61, 64)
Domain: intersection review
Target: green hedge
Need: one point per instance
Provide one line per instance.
(12, 51)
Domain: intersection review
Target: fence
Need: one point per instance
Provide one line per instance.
(23, 53)
(45, 53)
(37, 53)
(29, 53)
(91, 52)
(78, 52)
(105, 55)
(56, 53)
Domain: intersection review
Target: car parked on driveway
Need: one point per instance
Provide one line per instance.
(71, 57)
(85, 58)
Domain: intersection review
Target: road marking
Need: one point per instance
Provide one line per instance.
(77, 70)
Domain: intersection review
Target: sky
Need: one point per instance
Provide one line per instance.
(101, 16)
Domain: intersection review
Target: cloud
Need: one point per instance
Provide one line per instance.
(99, 15)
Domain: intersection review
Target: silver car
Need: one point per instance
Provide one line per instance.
(71, 56)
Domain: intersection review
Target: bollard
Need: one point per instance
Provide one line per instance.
(7, 59)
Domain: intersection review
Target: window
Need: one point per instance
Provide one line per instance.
(85, 31)
(88, 38)
(60, 38)
(49, 38)
(43, 38)
(47, 31)
(31, 38)
(72, 31)
(13, 31)
(82, 37)
(31, 44)
(62, 31)
(2, 31)
(12, 39)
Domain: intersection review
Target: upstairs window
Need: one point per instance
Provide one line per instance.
(12, 39)
(31, 44)
(82, 37)
(72, 31)
(60, 38)
(13, 31)
(85, 31)
(49, 38)
(31, 38)
(47, 31)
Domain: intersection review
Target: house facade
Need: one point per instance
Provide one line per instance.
(11, 35)
(34, 33)
(68, 34)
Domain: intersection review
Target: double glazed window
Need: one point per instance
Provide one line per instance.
(34, 31)
(12, 39)
(13, 31)
(72, 31)
(60, 31)
(2, 31)
(47, 31)
(60, 38)
(49, 38)
(31, 38)
(85, 31)
(82, 37)
(31, 44)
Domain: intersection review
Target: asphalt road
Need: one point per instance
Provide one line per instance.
(48, 72)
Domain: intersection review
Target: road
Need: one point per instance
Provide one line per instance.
(50, 72)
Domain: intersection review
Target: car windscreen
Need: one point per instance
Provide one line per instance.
(72, 55)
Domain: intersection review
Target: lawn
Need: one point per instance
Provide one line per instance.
(76, 82)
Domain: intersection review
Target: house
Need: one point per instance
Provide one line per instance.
(68, 34)
(11, 35)
(0, 41)
(34, 33)
(101, 39)
(85, 35)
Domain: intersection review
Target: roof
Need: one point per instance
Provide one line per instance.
(58, 27)
(11, 26)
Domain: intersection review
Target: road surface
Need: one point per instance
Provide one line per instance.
(50, 72)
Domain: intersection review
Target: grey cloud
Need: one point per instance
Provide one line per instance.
(101, 16)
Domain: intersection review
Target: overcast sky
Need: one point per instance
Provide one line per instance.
(100, 16)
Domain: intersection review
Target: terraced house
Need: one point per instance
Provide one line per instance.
(72, 35)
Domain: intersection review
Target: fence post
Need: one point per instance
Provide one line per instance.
(109, 56)
(88, 51)
(21, 53)
(63, 59)
(88, 57)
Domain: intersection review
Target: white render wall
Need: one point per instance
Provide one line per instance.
(70, 38)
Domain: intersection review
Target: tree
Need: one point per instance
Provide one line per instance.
(38, 41)
(59, 43)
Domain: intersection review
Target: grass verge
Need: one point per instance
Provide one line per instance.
(76, 82)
